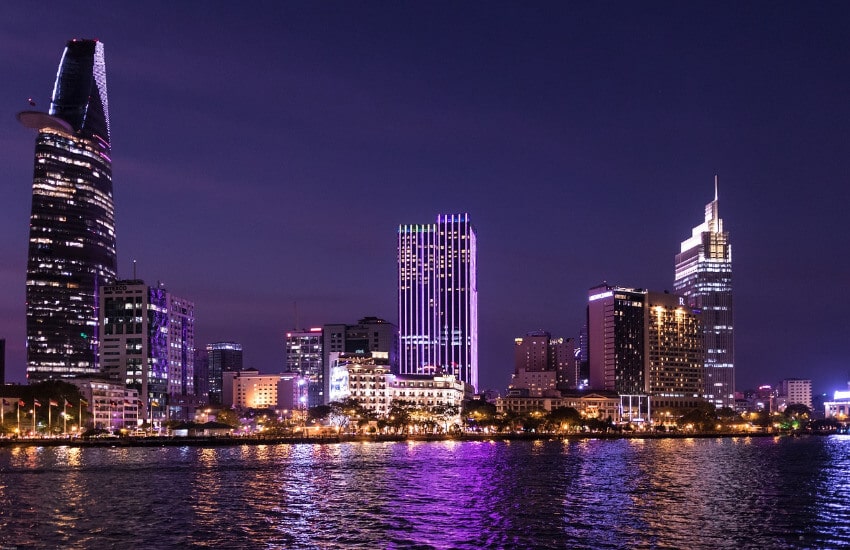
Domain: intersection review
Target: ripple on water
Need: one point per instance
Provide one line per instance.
(719, 493)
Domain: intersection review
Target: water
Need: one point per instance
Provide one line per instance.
(673, 493)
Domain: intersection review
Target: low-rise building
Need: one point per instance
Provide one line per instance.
(112, 406)
(596, 404)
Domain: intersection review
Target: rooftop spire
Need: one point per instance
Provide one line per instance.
(715, 186)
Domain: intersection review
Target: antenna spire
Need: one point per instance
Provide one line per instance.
(715, 186)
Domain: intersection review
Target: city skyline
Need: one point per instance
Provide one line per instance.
(581, 140)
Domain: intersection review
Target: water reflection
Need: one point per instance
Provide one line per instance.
(721, 493)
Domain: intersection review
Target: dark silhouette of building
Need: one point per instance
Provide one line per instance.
(221, 357)
(72, 226)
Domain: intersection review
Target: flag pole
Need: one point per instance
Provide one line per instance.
(33, 417)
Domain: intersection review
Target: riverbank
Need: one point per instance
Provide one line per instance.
(226, 441)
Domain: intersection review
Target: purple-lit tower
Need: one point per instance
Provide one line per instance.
(72, 226)
(438, 298)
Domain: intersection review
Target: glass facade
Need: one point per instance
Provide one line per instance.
(304, 356)
(221, 357)
(704, 276)
(438, 298)
(72, 225)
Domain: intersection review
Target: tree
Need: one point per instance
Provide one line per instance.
(229, 417)
(478, 414)
(563, 419)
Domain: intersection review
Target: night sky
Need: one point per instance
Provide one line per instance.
(264, 155)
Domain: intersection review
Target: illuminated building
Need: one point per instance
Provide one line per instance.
(112, 405)
(704, 278)
(367, 378)
(222, 357)
(438, 299)
(601, 405)
(645, 343)
(543, 363)
(250, 389)
(2, 361)
(72, 225)
(363, 376)
(303, 355)
(839, 407)
(148, 344)
(796, 391)
(369, 334)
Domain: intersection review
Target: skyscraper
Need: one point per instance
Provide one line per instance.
(704, 278)
(72, 226)
(438, 298)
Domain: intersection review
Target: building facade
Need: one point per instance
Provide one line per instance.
(796, 391)
(148, 344)
(368, 379)
(598, 405)
(704, 277)
(72, 252)
(112, 405)
(438, 299)
(543, 363)
(645, 343)
(304, 355)
(222, 357)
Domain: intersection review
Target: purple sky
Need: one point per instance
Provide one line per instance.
(265, 155)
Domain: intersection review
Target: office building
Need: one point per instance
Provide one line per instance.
(222, 357)
(438, 299)
(645, 343)
(72, 225)
(304, 356)
(704, 278)
(2, 361)
(796, 391)
(543, 363)
(370, 334)
(148, 345)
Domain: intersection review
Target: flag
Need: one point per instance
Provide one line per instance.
(6, 402)
(54, 403)
(36, 402)
(67, 403)
(21, 403)
(84, 402)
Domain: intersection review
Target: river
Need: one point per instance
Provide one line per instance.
(630, 493)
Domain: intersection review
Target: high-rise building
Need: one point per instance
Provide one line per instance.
(148, 344)
(222, 357)
(370, 334)
(704, 278)
(645, 343)
(2, 361)
(438, 298)
(72, 225)
(304, 356)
